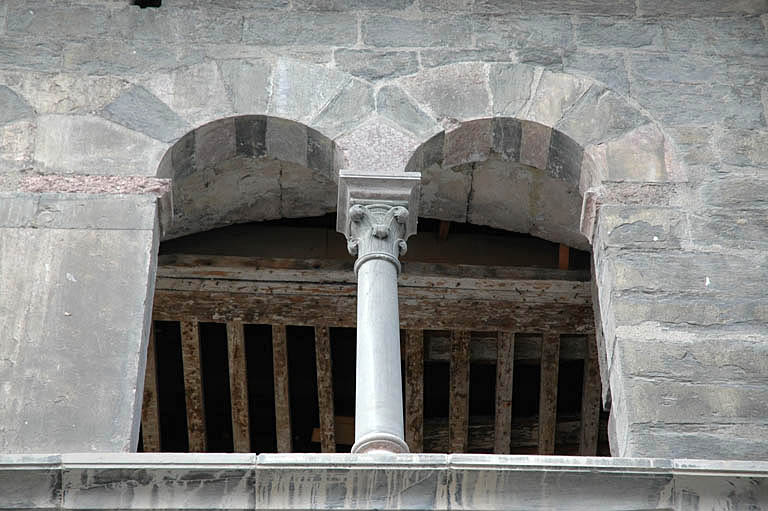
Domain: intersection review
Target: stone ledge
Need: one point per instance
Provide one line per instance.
(338, 481)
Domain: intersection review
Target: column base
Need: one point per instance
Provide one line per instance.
(380, 443)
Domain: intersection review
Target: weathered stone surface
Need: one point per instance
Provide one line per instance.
(641, 227)
(744, 147)
(92, 145)
(167, 26)
(140, 111)
(724, 36)
(306, 192)
(695, 144)
(607, 68)
(639, 155)
(380, 31)
(352, 104)
(300, 90)
(501, 196)
(376, 64)
(248, 83)
(456, 92)
(534, 144)
(12, 106)
(555, 211)
(604, 32)
(507, 134)
(565, 156)
(735, 193)
(510, 87)
(300, 28)
(469, 142)
(444, 192)
(524, 32)
(703, 8)
(360, 147)
(320, 153)
(618, 8)
(30, 481)
(56, 322)
(17, 145)
(600, 115)
(342, 5)
(106, 56)
(554, 94)
(196, 93)
(18, 53)
(286, 141)
(548, 58)
(444, 56)
(722, 229)
(394, 104)
(66, 21)
(214, 143)
(251, 135)
(678, 67)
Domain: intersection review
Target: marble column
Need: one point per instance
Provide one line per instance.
(378, 215)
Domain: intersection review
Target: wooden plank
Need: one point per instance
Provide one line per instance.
(504, 376)
(150, 415)
(238, 386)
(563, 255)
(325, 389)
(458, 420)
(443, 230)
(345, 431)
(590, 401)
(193, 385)
(414, 390)
(484, 345)
(550, 350)
(439, 314)
(282, 389)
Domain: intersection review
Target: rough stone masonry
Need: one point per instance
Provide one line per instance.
(643, 120)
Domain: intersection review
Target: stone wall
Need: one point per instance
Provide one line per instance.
(666, 98)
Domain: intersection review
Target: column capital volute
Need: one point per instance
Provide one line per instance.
(395, 190)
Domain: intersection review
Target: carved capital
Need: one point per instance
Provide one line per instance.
(377, 231)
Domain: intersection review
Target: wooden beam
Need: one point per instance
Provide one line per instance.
(325, 389)
(150, 415)
(550, 351)
(563, 255)
(590, 401)
(484, 345)
(238, 386)
(458, 421)
(193, 385)
(414, 390)
(504, 376)
(282, 389)
(444, 313)
(443, 229)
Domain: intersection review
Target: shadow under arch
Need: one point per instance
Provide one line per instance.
(506, 173)
(249, 168)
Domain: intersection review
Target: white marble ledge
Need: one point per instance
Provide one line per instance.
(405, 481)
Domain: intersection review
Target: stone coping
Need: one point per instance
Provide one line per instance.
(345, 481)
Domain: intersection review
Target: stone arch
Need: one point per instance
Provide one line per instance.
(249, 168)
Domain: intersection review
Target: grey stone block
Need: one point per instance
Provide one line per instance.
(524, 32)
(501, 196)
(16, 53)
(248, 83)
(743, 147)
(701, 8)
(300, 90)
(215, 142)
(344, 5)
(560, 223)
(721, 442)
(444, 192)
(30, 481)
(183, 156)
(456, 92)
(320, 150)
(393, 103)
(287, 141)
(470, 142)
(555, 93)
(169, 26)
(78, 345)
(600, 115)
(510, 86)
(300, 28)
(374, 64)
(349, 107)
(141, 111)
(92, 145)
(640, 227)
(678, 67)
(607, 68)
(695, 144)
(564, 161)
(700, 104)
(65, 21)
(618, 8)
(735, 193)
(306, 192)
(447, 5)
(723, 229)
(605, 32)
(535, 142)
(443, 56)
(382, 31)
(12, 106)
(251, 135)
(548, 58)
(17, 145)
(506, 138)
(724, 36)
(105, 56)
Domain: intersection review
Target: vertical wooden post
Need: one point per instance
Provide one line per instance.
(238, 386)
(505, 362)
(193, 385)
(458, 422)
(563, 255)
(282, 392)
(325, 389)
(590, 400)
(150, 415)
(550, 364)
(414, 390)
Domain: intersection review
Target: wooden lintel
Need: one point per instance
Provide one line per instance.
(193, 385)
(590, 401)
(563, 256)
(150, 416)
(458, 421)
(504, 376)
(325, 389)
(550, 363)
(282, 389)
(414, 390)
(443, 230)
(238, 386)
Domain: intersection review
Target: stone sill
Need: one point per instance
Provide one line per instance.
(345, 481)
